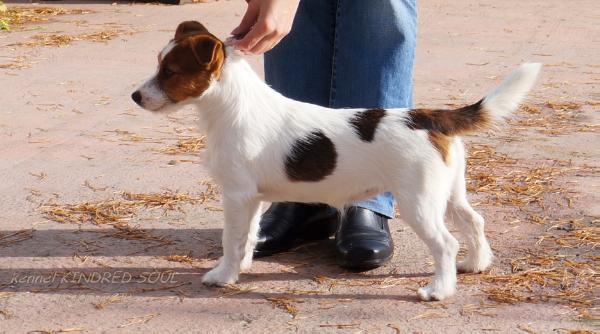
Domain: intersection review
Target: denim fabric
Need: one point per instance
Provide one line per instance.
(348, 54)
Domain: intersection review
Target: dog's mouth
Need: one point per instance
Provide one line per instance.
(150, 97)
(154, 106)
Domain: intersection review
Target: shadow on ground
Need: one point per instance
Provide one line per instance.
(158, 278)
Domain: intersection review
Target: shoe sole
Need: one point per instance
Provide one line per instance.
(264, 253)
(298, 242)
(363, 265)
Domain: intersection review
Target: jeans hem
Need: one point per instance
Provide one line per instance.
(376, 208)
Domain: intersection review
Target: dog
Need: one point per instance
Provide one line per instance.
(264, 147)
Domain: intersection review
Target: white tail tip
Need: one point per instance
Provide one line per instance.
(505, 99)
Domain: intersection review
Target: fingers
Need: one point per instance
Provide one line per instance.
(269, 42)
(265, 44)
(261, 28)
(230, 41)
(263, 36)
(265, 24)
(248, 20)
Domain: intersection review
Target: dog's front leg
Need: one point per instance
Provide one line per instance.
(252, 238)
(239, 211)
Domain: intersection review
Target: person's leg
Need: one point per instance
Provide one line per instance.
(349, 54)
(374, 47)
(373, 63)
(300, 68)
(309, 65)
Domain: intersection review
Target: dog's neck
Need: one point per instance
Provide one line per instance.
(236, 97)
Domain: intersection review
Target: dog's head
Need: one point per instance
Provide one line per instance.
(186, 68)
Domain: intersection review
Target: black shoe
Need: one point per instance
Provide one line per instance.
(283, 223)
(363, 240)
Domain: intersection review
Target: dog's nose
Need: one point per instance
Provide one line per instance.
(137, 96)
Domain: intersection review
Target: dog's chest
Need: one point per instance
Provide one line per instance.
(234, 159)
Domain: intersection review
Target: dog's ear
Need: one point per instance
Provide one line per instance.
(189, 27)
(207, 49)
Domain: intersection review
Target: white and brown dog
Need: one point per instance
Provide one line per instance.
(264, 147)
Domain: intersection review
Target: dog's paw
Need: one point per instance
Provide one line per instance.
(435, 292)
(246, 262)
(219, 276)
(469, 266)
(475, 264)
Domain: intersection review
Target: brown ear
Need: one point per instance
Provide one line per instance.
(206, 49)
(189, 27)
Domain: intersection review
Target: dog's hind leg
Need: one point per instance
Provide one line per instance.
(252, 239)
(239, 211)
(426, 218)
(471, 225)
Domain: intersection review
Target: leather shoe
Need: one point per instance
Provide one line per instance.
(283, 223)
(363, 240)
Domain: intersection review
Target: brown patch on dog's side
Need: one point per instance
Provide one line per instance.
(196, 59)
(441, 143)
(365, 123)
(443, 124)
(311, 158)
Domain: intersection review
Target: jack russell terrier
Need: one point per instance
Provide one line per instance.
(264, 147)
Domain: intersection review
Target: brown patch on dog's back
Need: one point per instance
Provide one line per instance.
(311, 158)
(196, 59)
(365, 123)
(449, 122)
(443, 124)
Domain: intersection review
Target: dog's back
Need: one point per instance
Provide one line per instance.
(323, 149)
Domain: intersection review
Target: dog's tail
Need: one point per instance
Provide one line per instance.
(493, 108)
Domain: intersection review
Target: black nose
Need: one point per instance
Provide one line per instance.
(137, 96)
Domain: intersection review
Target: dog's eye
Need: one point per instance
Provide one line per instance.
(167, 72)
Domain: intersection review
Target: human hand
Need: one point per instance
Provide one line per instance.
(265, 24)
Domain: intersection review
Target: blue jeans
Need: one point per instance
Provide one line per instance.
(348, 54)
